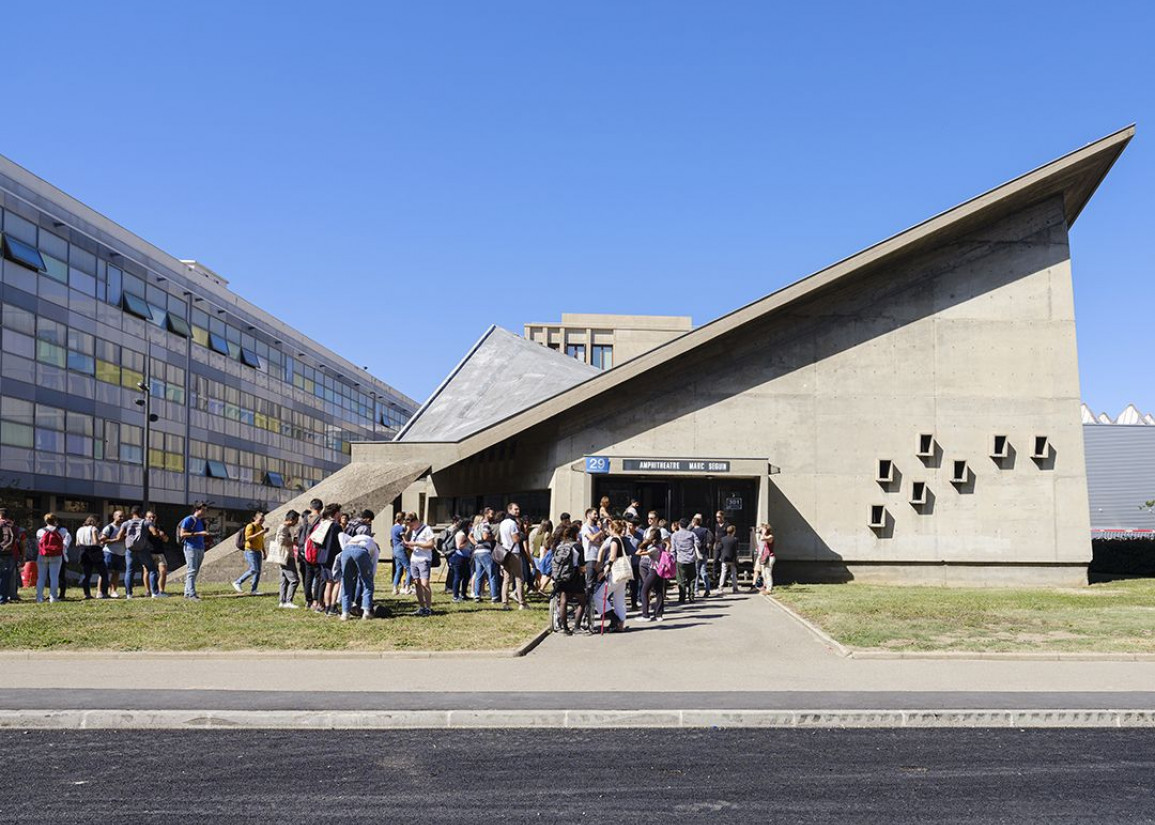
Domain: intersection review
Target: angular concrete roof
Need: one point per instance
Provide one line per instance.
(1074, 177)
(503, 374)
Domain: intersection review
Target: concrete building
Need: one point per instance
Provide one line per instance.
(249, 411)
(604, 341)
(910, 413)
(1120, 471)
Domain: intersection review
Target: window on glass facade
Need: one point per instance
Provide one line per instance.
(218, 344)
(216, 469)
(137, 306)
(17, 417)
(55, 268)
(577, 351)
(21, 253)
(178, 325)
(603, 356)
(249, 358)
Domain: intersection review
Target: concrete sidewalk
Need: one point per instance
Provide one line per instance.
(722, 654)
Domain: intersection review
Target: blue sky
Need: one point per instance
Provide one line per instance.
(438, 166)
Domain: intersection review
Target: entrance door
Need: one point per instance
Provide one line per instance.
(675, 497)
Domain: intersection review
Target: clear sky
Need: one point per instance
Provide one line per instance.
(433, 167)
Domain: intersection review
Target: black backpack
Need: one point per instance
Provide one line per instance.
(241, 538)
(563, 568)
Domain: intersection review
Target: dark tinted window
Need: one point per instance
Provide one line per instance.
(179, 326)
(274, 480)
(137, 306)
(216, 469)
(22, 253)
(250, 358)
(218, 344)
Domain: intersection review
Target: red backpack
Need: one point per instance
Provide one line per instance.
(51, 543)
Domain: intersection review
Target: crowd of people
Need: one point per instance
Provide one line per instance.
(594, 570)
(114, 554)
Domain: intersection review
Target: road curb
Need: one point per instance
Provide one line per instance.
(818, 632)
(560, 719)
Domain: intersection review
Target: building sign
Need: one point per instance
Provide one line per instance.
(732, 504)
(675, 465)
(76, 505)
(597, 464)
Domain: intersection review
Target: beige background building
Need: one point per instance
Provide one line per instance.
(604, 341)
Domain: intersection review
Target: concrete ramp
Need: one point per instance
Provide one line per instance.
(363, 484)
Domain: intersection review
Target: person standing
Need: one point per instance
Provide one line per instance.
(484, 567)
(610, 597)
(568, 577)
(650, 551)
(283, 552)
(400, 556)
(592, 536)
(765, 559)
(114, 550)
(728, 559)
(310, 570)
(191, 533)
(9, 562)
(687, 551)
(717, 534)
(137, 552)
(52, 543)
(157, 539)
(512, 540)
(91, 558)
(254, 539)
(420, 546)
(461, 560)
(705, 557)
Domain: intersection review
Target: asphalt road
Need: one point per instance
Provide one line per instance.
(605, 776)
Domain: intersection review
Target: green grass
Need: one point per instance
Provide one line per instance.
(224, 620)
(1118, 617)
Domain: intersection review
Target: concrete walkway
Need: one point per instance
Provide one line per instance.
(730, 652)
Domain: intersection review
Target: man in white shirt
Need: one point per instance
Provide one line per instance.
(591, 536)
(420, 546)
(510, 538)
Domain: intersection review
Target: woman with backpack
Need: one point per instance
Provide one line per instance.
(52, 542)
(568, 575)
(656, 574)
(282, 552)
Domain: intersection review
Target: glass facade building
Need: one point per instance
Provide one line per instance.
(249, 412)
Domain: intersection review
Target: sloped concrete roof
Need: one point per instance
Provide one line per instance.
(1074, 177)
(502, 375)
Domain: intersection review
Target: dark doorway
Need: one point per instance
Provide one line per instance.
(675, 497)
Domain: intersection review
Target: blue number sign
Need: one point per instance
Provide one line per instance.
(597, 464)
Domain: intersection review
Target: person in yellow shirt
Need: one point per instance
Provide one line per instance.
(254, 552)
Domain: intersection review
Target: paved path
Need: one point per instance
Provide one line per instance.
(739, 645)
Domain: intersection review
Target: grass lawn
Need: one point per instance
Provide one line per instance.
(1116, 617)
(224, 620)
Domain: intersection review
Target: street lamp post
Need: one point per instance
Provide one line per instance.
(150, 418)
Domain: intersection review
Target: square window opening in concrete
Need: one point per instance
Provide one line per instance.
(918, 493)
(960, 473)
(1042, 447)
(926, 445)
(877, 515)
(1000, 447)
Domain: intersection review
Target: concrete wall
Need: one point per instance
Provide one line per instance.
(964, 342)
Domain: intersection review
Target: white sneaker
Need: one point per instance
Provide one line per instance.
(344, 617)
(291, 606)
(660, 619)
(114, 595)
(237, 587)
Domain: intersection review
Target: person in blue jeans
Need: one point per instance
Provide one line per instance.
(358, 561)
(400, 554)
(461, 560)
(255, 532)
(483, 564)
(192, 535)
